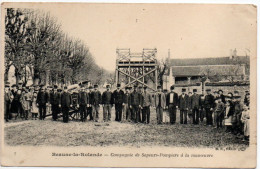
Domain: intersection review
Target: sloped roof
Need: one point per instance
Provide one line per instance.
(211, 70)
(210, 61)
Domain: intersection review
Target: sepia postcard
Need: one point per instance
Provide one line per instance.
(128, 85)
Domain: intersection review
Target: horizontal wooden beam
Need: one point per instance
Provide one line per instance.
(136, 65)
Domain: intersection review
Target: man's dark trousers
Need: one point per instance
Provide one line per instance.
(83, 112)
(118, 108)
(42, 111)
(195, 115)
(65, 112)
(89, 112)
(7, 110)
(172, 113)
(146, 114)
(135, 110)
(209, 116)
(55, 111)
(183, 113)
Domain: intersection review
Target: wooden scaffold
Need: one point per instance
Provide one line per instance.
(135, 68)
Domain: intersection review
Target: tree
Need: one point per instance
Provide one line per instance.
(34, 39)
(43, 41)
(163, 67)
(15, 39)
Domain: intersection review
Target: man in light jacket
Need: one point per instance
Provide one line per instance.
(160, 103)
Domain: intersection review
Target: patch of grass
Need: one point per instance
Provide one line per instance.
(50, 133)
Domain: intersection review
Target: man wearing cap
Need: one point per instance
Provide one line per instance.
(172, 104)
(20, 84)
(221, 95)
(65, 104)
(118, 99)
(129, 104)
(16, 97)
(141, 100)
(96, 100)
(89, 107)
(160, 104)
(236, 119)
(48, 106)
(220, 107)
(135, 104)
(25, 101)
(107, 102)
(55, 102)
(42, 99)
(8, 99)
(247, 98)
(126, 109)
(183, 106)
(83, 100)
(195, 106)
(209, 105)
(147, 102)
(202, 113)
(236, 93)
(189, 107)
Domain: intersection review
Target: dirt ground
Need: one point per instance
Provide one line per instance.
(75, 133)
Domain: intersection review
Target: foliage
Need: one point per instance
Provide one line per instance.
(35, 39)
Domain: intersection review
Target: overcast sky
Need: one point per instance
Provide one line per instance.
(187, 30)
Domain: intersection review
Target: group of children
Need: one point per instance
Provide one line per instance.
(234, 114)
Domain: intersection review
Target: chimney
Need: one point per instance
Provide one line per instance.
(235, 53)
(230, 54)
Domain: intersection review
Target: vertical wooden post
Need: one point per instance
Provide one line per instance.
(117, 73)
(156, 77)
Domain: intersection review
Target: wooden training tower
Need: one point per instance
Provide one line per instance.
(134, 68)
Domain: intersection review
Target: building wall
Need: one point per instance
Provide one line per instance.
(225, 89)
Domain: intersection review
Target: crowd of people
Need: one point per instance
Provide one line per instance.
(132, 105)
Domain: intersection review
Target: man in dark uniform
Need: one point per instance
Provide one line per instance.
(83, 100)
(172, 104)
(118, 98)
(141, 100)
(95, 101)
(209, 105)
(42, 99)
(89, 107)
(183, 106)
(66, 103)
(131, 117)
(107, 102)
(135, 104)
(195, 106)
(55, 102)
(7, 104)
(201, 108)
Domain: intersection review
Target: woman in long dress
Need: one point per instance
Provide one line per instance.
(34, 108)
(245, 117)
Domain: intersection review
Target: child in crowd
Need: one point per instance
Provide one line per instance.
(229, 111)
(245, 120)
(34, 108)
(220, 107)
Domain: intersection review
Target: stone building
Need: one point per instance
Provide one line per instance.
(189, 72)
